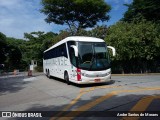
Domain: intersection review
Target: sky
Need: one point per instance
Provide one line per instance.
(23, 16)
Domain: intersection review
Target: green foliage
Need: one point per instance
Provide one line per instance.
(3, 46)
(149, 9)
(77, 13)
(18, 53)
(10, 55)
(39, 68)
(135, 43)
(15, 54)
(136, 37)
(36, 44)
(98, 31)
(63, 34)
(146, 33)
(2, 38)
(14, 57)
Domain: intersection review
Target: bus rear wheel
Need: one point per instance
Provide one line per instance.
(66, 78)
(48, 74)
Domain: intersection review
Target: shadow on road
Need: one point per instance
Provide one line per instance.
(84, 85)
(107, 108)
(12, 84)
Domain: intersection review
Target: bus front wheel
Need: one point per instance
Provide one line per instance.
(66, 78)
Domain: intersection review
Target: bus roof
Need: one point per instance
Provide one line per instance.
(76, 38)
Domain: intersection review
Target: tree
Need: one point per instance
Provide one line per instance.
(3, 46)
(149, 9)
(16, 49)
(36, 44)
(137, 45)
(10, 54)
(99, 32)
(77, 13)
(14, 57)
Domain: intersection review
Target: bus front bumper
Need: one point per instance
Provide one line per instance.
(87, 80)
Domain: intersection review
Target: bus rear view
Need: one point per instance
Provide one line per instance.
(87, 62)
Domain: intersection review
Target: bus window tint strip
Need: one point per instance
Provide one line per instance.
(56, 52)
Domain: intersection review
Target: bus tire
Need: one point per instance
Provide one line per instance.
(66, 78)
(48, 74)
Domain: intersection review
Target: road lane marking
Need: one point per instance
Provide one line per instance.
(82, 92)
(103, 87)
(87, 106)
(139, 89)
(141, 106)
(74, 101)
(70, 104)
(91, 104)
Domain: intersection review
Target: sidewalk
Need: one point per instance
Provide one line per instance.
(11, 74)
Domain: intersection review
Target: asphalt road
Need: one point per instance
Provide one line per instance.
(125, 97)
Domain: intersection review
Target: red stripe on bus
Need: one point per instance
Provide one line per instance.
(78, 74)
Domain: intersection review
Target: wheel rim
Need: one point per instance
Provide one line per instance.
(66, 78)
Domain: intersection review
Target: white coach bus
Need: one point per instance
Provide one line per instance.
(79, 60)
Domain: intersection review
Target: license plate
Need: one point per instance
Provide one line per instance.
(97, 80)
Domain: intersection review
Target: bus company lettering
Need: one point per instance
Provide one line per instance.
(60, 61)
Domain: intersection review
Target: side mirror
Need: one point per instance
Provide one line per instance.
(75, 50)
(113, 50)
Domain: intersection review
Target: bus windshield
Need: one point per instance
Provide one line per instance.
(93, 56)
